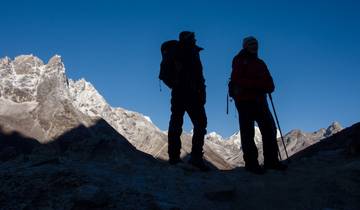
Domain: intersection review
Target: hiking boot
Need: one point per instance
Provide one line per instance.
(276, 166)
(199, 163)
(255, 169)
(174, 161)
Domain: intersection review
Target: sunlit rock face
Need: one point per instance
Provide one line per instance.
(136, 127)
(40, 111)
(35, 98)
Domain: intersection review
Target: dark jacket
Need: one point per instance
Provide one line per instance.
(189, 69)
(250, 77)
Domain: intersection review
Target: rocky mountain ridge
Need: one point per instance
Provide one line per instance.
(31, 89)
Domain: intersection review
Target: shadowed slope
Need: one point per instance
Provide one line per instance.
(97, 142)
(346, 142)
(101, 171)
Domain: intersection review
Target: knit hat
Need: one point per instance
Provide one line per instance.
(184, 35)
(249, 40)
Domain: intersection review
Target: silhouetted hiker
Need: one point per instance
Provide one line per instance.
(188, 95)
(250, 82)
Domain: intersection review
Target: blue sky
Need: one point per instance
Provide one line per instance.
(310, 47)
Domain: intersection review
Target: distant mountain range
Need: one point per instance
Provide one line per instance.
(39, 101)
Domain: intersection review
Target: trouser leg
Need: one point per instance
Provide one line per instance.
(175, 128)
(247, 132)
(268, 131)
(198, 117)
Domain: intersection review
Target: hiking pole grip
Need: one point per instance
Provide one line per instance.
(278, 124)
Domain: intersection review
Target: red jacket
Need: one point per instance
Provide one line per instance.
(251, 77)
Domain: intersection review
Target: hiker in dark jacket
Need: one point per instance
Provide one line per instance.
(188, 95)
(251, 81)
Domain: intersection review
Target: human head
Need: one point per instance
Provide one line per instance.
(187, 37)
(251, 44)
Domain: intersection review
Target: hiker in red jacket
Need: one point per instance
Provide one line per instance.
(250, 82)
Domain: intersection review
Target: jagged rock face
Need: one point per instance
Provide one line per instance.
(335, 127)
(140, 132)
(35, 98)
(19, 78)
(137, 128)
(297, 140)
(46, 112)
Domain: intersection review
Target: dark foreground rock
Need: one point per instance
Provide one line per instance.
(324, 176)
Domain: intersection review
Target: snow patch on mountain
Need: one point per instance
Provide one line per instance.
(148, 119)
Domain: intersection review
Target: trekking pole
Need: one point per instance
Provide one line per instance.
(160, 84)
(277, 122)
(227, 104)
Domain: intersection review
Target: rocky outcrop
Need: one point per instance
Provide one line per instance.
(35, 99)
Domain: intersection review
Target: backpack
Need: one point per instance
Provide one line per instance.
(231, 93)
(167, 66)
(233, 89)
